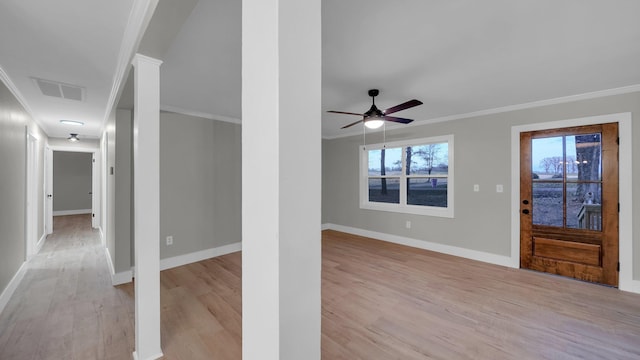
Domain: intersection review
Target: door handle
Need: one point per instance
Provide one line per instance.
(90, 193)
(49, 195)
(525, 211)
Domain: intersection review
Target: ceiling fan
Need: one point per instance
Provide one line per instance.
(374, 118)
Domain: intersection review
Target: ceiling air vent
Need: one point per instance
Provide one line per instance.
(60, 90)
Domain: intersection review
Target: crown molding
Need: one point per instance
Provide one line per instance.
(529, 105)
(139, 18)
(138, 58)
(205, 115)
(4, 77)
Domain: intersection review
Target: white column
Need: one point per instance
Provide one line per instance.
(281, 179)
(146, 149)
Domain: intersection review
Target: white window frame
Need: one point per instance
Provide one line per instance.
(403, 207)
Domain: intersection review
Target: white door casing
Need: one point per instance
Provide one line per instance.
(48, 190)
(95, 183)
(95, 190)
(31, 223)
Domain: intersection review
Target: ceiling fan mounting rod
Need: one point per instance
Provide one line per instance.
(373, 93)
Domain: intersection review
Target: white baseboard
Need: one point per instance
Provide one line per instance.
(185, 259)
(630, 286)
(152, 357)
(172, 262)
(40, 243)
(12, 286)
(122, 277)
(71, 212)
(109, 262)
(117, 278)
(426, 245)
(103, 240)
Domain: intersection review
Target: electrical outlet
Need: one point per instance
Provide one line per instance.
(499, 188)
(476, 187)
(408, 224)
(169, 240)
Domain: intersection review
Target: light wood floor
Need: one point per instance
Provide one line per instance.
(385, 301)
(65, 307)
(380, 301)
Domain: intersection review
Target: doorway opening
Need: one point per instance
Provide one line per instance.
(72, 184)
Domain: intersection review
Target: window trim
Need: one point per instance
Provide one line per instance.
(403, 207)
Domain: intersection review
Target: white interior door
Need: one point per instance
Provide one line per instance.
(48, 190)
(31, 231)
(95, 190)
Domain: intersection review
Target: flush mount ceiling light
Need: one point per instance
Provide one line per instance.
(72, 122)
(73, 138)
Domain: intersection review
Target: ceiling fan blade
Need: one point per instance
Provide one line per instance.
(398, 119)
(406, 105)
(353, 123)
(343, 112)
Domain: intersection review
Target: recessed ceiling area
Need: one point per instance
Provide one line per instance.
(457, 57)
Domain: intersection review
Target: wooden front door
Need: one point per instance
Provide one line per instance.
(569, 202)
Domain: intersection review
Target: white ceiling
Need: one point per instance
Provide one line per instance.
(70, 41)
(458, 57)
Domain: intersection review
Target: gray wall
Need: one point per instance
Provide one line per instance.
(123, 191)
(14, 122)
(71, 180)
(482, 156)
(119, 189)
(200, 183)
(90, 145)
(109, 228)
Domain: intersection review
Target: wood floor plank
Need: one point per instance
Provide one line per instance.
(23, 335)
(226, 315)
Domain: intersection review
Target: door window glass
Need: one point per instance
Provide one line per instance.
(567, 181)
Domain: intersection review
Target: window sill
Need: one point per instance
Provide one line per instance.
(409, 209)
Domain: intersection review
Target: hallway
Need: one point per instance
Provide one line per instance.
(65, 307)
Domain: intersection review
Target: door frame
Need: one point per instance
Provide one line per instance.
(95, 180)
(626, 281)
(31, 224)
(48, 190)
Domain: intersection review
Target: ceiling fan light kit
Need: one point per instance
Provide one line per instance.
(373, 122)
(375, 118)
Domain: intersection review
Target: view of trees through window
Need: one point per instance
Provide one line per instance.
(567, 174)
(421, 172)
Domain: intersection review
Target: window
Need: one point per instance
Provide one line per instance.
(414, 177)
